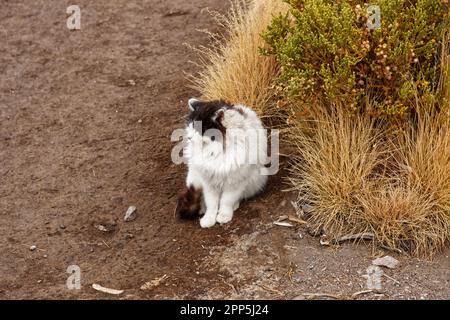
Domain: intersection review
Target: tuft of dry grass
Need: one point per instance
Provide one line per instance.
(360, 178)
(425, 175)
(232, 68)
(334, 168)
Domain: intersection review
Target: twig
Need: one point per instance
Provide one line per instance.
(362, 236)
(396, 281)
(328, 295)
(106, 244)
(298, 220)
(270, 289)
(391, 249)
(106, 290)
(356, 294)
(336, 296)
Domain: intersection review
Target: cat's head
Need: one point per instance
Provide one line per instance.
(206, 120)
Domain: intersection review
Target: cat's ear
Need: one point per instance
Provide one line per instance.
(193, 104)
(218, 117)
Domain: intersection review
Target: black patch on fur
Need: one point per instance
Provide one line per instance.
(189, 204)
(241, 112)
(206, 111)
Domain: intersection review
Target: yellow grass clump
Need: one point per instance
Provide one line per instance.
(359, 178)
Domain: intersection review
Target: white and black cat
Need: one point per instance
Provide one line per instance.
(226, 152)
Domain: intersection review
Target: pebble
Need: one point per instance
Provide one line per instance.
(33, 247)
(131, 214)
(386, 261)
(102, 228)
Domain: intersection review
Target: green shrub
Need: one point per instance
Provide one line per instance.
(327, 54)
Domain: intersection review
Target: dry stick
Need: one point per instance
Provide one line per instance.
(356, 294)
(298, 220)
(336, 296)
(364, 235)
(106, 244)
(391, 249)
(270, 289)
(396, 281)
(328, 295)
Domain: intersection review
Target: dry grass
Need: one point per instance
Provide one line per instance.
(425, 176)
(358, 178)
(357, 175)
(334, 169)
(233, 69)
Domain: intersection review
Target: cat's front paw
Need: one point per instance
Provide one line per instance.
(224, 216)
(207, 221)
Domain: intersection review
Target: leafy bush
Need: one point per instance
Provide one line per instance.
(328, 55)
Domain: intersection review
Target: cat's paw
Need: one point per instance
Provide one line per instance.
(207, 222)
(224, 217)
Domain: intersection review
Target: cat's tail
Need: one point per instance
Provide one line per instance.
(189, 203)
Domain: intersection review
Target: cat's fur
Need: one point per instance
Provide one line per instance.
(220, 175)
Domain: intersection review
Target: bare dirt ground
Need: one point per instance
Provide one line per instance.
(86, 119)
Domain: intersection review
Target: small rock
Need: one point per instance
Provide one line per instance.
(102, 228)
(33, 247)
(129, 236)
(61, 226)
(45, 256)
(140, 121)
(39, 281)
(131, 214)
(131, 82)
(386, 261)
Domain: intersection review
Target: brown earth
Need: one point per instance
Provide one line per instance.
(86, 118)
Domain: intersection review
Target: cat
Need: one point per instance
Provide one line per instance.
(226, 153)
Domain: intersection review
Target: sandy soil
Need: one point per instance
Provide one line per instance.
(86, 118)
